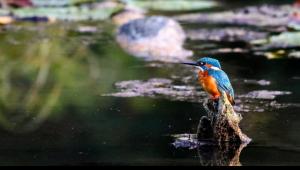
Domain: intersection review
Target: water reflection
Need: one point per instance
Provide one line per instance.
(52, 81)
(24, 80)
(219, 139)
(226, 155)
(209, 152)
(43, 75)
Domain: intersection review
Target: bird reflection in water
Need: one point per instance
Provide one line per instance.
(210, 153)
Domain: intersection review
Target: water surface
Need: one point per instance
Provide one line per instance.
(54, 111)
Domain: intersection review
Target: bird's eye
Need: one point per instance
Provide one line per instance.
(201, 63)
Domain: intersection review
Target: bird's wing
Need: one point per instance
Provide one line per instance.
(223, 81)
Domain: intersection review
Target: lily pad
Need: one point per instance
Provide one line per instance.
(172, 5)
(258, 82)
(254, 101)
(266, 16)
(294, 54)
(58, 2)
(156, 88)
(283, 40)
(225, 34)
(265, 94)
(69, 13)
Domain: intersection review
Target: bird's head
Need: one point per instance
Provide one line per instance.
(206, 63)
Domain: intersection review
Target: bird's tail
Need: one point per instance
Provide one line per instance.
(231, 99)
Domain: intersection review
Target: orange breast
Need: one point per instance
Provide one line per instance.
(209, 84)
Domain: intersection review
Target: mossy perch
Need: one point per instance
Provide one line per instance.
(221, 124)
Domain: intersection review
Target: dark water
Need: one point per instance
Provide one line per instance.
(53, 111)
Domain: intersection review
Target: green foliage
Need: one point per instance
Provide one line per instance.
(52, 70)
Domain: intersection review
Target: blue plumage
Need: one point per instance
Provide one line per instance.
(222, 80)
(212, 78)
(211, 61)
(219, 75)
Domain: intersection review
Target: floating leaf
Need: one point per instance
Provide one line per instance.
(285, 40)
(295, 54)
(70, 13)
(41, 3)
(231, 34)
(273, 18)
(173, 5)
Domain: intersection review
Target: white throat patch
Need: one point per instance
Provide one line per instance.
(201, 69)
(215, 68)
(212, 67)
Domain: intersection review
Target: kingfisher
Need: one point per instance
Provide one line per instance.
(213, 79)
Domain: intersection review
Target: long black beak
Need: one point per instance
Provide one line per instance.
(192, 64)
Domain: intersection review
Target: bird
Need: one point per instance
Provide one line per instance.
(213, 79)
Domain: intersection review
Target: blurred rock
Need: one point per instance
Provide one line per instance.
(154, 38)
(125, 16)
